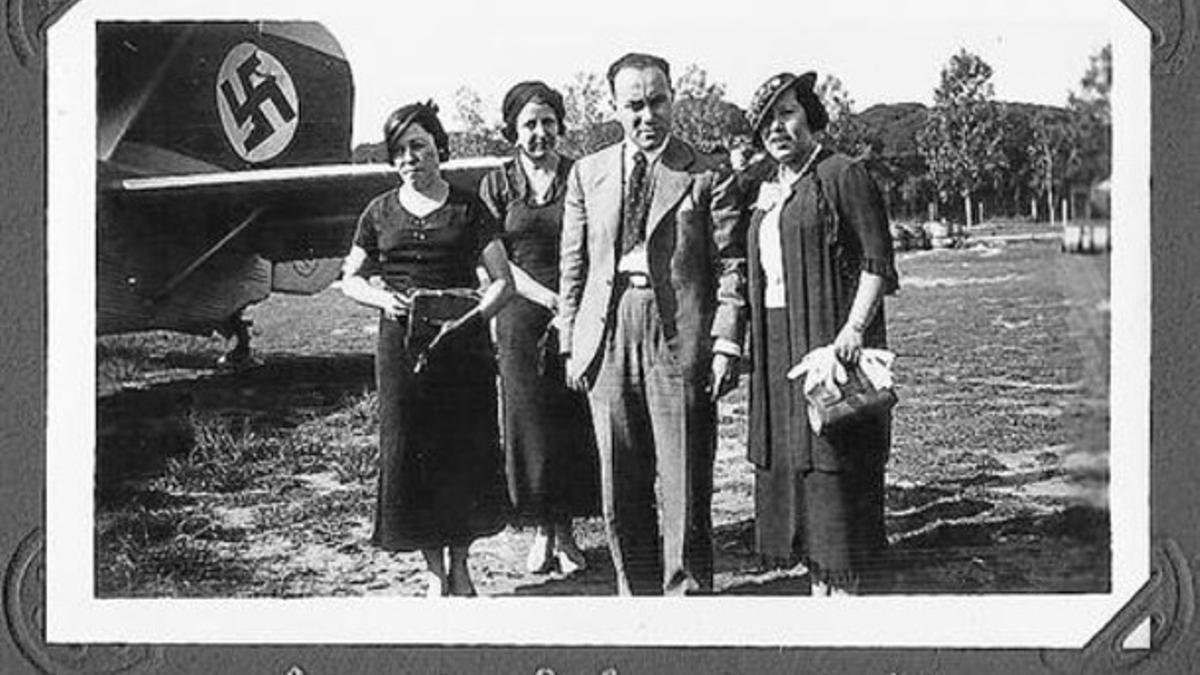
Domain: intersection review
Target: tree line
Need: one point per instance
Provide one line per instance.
(968, 154)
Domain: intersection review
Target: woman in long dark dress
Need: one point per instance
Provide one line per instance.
(820, 262)
(441, 480)
(550, 450)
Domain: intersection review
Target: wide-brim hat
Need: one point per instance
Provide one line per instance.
(769, 92)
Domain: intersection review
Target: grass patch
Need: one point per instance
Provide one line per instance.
(176, 552)
(126, 358)
(228, 456)
(343, 441)
(167, 536)
(233, 452)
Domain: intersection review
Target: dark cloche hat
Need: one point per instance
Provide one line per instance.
(522, 93)
(770, 91)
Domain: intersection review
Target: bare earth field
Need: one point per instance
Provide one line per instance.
(261, 483)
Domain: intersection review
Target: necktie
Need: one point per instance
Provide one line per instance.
(633, 220)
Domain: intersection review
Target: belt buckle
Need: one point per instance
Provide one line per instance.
(637, 280)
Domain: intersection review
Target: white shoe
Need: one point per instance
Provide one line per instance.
(570, 560)
(435, 587)
(230, 362)
(824, 590)
(540, 559)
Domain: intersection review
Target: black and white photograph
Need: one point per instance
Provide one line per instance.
(523, 324)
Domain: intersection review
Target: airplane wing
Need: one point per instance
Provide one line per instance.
(285, 214)
(223, 169)
(312, 185)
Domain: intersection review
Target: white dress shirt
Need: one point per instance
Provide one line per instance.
(771, 197)
(635, 261)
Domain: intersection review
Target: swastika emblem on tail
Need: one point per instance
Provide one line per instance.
(258, 104)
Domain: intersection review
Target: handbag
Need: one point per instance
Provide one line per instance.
(429, 311)
(835, 401)
(830, 407)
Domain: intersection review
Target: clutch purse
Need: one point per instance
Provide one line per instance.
(429, 310)
(835, 405)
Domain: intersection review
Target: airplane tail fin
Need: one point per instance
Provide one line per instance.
(213, 97)
(224, 152)
(210, 98)
(185, 97)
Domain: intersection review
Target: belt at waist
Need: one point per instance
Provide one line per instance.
(633, 280)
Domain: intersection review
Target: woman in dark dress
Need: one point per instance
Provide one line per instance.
(441, 480)
(820, 262)
(550, 450)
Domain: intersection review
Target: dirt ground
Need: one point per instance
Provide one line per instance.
(261, 483)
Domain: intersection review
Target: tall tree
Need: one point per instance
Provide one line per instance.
(477, 138)
(1094, 118)
(1095, 87)
(1052, 153)
(846, 132)
(1017, 183)
(589, 122)
(961, 140)
(701, 114)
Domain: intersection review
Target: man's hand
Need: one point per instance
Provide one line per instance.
(573, 383)
(725, 375)
(547, 349)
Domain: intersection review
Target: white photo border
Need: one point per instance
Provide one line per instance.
(74, 614)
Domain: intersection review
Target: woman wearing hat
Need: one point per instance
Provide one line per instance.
(550, 451)
(820, 262)
(441, 481)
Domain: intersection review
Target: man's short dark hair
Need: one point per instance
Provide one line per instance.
(640, 61)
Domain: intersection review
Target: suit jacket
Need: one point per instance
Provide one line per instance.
(695, 249)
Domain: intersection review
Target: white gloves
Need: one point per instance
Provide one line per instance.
(824, 375)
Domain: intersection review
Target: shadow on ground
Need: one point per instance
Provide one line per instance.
(139, 429)
(957, 549)
(959, 532)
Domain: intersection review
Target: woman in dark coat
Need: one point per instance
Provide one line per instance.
(550, 450)
(820, 262)
(441, 480)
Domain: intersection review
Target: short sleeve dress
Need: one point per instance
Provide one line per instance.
(441, 473)
(550, 451)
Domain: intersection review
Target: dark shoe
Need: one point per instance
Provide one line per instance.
(461, 586)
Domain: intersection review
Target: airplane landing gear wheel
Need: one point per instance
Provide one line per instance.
(239, 358)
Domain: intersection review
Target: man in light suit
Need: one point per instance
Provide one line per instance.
(651, 305)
